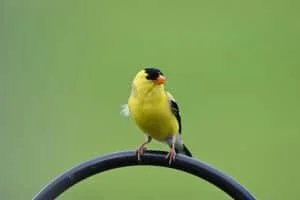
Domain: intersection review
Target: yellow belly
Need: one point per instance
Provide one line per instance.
(155, 118)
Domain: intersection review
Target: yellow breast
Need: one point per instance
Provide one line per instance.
(154, 117)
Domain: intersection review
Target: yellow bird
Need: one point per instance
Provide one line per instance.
(155, 112)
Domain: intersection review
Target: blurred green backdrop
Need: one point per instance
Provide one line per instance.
(66, 67)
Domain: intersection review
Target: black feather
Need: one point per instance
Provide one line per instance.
(187, 151)
(175, 110)
(152, 73)
(184, 151)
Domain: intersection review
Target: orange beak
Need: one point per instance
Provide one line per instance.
(160, 80)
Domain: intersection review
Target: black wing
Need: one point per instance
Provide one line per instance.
(175, 110)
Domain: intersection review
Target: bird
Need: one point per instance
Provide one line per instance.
(155, 112)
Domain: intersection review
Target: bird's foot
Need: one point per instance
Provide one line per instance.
(171, 155)
(140, 151)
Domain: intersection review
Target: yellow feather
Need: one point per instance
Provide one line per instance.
(149, 107)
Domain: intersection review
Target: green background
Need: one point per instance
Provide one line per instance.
(66, 67)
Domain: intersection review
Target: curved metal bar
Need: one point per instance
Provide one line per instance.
(154, 158)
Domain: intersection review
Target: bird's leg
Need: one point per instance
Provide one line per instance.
(140, 150)
(172, 153)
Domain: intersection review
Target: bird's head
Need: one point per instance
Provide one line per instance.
(149, 78)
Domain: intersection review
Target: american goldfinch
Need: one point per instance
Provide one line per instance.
(155, 112)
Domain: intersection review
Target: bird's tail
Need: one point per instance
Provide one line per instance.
(184, 150)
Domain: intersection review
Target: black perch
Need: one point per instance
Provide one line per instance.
(154, 158)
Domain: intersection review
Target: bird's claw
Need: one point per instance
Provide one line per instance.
(171, 155)
(140, 152)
